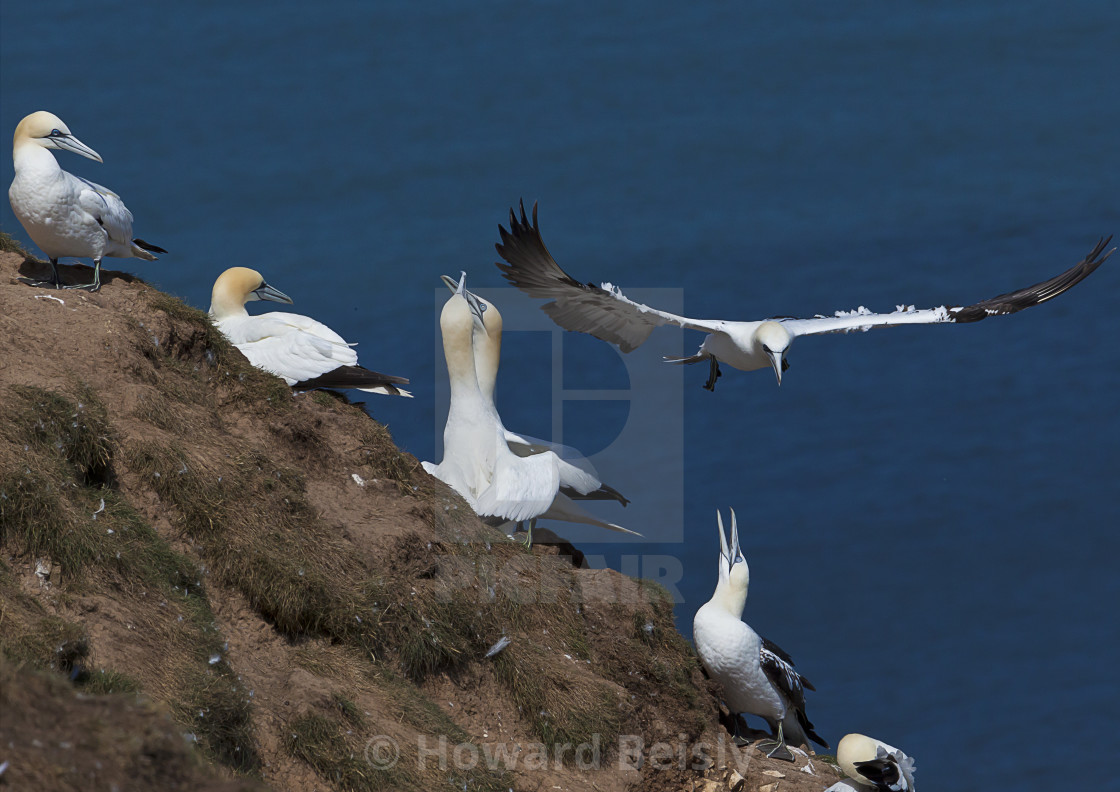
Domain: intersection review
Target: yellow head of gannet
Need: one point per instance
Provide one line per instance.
(48, 131)
(237, 286)
(775, 340)
(874, 764)
(487, 337)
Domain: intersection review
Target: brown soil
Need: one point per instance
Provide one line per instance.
(207, 554)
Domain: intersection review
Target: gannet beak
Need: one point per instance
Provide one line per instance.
(462, 285)
(449, 282)
(776, 361)
(266, 292)
(71, 143)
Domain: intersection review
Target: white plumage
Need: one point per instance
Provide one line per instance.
(66, 215)
(604, 312)
(304, 352)
(478, 462)
(757, 677)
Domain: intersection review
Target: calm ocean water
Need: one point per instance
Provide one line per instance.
(930, 514)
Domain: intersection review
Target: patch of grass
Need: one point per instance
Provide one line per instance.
(9, 245)
(75, 429)
(323, 743)
(219, 710)
(349, 710)
(103, 682)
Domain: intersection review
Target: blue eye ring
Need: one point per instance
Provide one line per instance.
(55, 133)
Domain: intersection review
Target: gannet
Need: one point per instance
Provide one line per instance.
(477, 460)
(604, 312)
(64, 214)
(873, 765)
(578, 479)
(303, 352)
(757, 677)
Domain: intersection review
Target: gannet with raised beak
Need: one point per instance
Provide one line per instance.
(873, 766)
(303, 352)
(477, 460)
(757, 677)
(605, 313)
(64, 214)
(578, 479)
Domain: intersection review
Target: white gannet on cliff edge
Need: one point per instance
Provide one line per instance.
(64, 214)
(578, 479)
(605, 313)
(305, 353)
(757, 677)
(873, 765)
(478, 462)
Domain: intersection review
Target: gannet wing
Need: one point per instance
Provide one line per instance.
(291, 346)
(861, 319)
(578, 477)
(521, 488)
(565, 509)
(107, 207)
(782, 675)
(601, 311)
(888, 771)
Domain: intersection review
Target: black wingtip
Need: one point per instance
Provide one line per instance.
(140, 243)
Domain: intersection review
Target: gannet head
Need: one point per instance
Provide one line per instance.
(734, 574)
(487, 336)
(774, 340)
(48, 131)
(237, 286)
(865, 759)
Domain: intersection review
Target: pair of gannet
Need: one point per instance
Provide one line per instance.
(305, 353)
(500, 474)
(605, 313)
(64, 214)
(872, 765)
(757, 677)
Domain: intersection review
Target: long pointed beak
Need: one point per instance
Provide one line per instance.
(71, 143)
(266, 292)
(462, 285)
(450, 282)
(776, 359)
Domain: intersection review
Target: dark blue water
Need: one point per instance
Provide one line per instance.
(930, 513)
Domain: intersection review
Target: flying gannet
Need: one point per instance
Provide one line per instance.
(477, 460)
(604, 312)
(303, 352)
(757, 677)
(64, 214)
(873, 766)
(578, 479)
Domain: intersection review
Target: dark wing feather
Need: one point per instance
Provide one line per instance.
(353, 377)
(888, 772)
(778, 666)
(1034, 295)
(607, 315)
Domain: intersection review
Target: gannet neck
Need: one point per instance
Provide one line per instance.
(488, 348)
(457, 327)
(232, 290)
(731, 595)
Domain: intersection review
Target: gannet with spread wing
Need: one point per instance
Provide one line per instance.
(604, 312)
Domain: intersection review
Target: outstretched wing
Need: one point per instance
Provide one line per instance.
(862, 319)
(600, 311)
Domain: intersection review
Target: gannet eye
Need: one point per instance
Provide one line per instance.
(55, 133)
(482, 307)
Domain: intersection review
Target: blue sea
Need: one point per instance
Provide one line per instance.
(930, 513)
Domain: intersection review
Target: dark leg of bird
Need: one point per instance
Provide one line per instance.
(736, 736)
(55, 281)
(96, 285)
(777, 750)
(713, 374)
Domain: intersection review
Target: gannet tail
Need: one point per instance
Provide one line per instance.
(565, 509)
(358, 378)
(145, 250)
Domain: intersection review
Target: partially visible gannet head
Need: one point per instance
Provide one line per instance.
(875, 763)
(456, 324)
(237, 286)
(48, 131)
(487, 337)
(734, 574)
(775, 340)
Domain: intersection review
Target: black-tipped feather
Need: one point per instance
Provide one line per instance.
(353, 377)
(140, 243)
(778, 666)
(605, 492)
(1039, 293)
